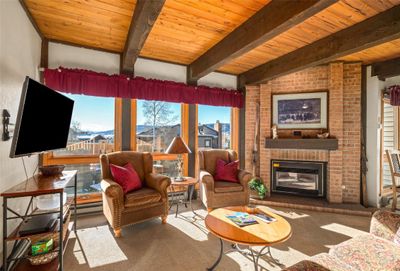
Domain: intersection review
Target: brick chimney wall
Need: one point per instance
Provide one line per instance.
(343, 83)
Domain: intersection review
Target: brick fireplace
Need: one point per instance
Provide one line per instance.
(343, 83)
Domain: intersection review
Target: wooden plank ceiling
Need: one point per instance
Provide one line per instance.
(102, 24)
(336, 17)
(186, 29)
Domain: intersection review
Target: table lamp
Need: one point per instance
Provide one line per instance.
(179, 147)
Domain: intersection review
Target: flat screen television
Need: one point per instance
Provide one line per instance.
(43, 120)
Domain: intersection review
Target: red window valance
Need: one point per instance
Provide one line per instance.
(76, 81)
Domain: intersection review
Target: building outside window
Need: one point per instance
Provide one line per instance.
(214, 129)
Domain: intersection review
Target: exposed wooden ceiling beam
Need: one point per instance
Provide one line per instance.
(270, 21)
(379, 29)
(143, 19)
(44, 57)
(386, 69)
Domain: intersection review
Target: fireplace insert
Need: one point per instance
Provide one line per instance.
(305, 178)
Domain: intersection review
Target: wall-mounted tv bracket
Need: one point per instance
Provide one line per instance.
(7, 134)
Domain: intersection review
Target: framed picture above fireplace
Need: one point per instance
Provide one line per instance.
(300, 110)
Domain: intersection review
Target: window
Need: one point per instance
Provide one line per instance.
(92, 132)
(157, 123)
(166, 167)
(389, 136)
(92, 127)
(89, 177)
(214, 128)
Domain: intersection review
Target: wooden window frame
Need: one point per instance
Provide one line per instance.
(49, 158)
(234, 125)
(235, 118)
(159, 156)
(385, 191)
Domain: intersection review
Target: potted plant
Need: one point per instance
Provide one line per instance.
(257, 188)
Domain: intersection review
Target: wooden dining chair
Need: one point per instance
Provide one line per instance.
(394, 164)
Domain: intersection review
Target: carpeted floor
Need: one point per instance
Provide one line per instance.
(185, 244)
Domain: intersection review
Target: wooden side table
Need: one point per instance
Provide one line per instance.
(190, 183)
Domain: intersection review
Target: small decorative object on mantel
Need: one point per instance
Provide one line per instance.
(274, 131)
(258, 190)
(297, 134)
(323, 135)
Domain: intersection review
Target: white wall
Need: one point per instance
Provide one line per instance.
(82, 58)
(392, 81)
(19, 56)
(75, 57)
(221, 80)
(374, 88)
(152, 69)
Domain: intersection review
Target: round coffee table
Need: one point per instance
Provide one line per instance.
(261, 234)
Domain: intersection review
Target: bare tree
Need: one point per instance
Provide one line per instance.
(74, 130)
(158, 114)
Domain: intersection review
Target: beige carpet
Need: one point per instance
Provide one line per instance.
(185, 244)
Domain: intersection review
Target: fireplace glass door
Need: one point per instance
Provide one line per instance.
(298, 177)
(306, 181)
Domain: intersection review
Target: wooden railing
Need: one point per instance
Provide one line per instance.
(91, 147)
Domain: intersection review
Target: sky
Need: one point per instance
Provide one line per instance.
(210, 114)
(93, 113)
(97, 113)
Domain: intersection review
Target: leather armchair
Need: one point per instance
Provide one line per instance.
(148, 202)
(221, 194)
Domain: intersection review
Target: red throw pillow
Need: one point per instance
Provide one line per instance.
(126, 177)
(226, 171)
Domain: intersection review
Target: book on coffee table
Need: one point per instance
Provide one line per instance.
(242, 219)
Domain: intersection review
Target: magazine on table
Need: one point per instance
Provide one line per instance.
(242, 219)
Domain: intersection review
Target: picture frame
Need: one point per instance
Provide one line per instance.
(307, 110)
